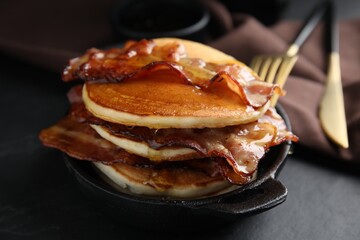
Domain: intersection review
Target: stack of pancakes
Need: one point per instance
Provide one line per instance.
(168, 117)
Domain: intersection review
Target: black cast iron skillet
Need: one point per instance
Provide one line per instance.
(181, 215)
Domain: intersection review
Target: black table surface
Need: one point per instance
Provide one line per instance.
(40, 199)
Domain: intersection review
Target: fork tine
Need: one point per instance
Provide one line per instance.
(263, 71)
(256, 63)
(283, 73)
(273, 70)
(285, 70)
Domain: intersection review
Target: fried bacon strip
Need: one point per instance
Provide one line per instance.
(233, 152)
(141, 58)
(80, 141)
(242, 145)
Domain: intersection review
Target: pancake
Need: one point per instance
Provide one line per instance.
(144, 150)
(170, 182)
(165, 105)
(171, 87)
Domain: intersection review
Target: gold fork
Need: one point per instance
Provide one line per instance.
(276, 68)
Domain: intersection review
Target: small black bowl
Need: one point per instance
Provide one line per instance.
(186, 215)
(138, 19)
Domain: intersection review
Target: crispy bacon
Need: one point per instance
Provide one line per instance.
(242, 146)
(141, 58)
(80, 141)
(233, 152)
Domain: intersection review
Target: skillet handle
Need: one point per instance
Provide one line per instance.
(269, 194)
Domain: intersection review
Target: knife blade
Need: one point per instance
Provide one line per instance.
(332, 109)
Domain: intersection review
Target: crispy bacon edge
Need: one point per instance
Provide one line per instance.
(117, 65)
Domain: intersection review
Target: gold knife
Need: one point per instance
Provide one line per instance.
(332, 110)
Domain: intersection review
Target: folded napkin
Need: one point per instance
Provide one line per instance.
(307, 80)
(47, 35)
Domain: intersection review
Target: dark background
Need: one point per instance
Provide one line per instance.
(39, 199)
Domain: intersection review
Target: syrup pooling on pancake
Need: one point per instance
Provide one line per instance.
(138, 59)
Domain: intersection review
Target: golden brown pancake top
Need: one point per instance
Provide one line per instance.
(159, 94)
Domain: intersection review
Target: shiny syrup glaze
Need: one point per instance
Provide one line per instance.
(143, 58)
(159, 94)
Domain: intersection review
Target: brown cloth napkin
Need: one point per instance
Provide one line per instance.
(48, 34)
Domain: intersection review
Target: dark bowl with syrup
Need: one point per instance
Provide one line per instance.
(172, 215)
(138, 19)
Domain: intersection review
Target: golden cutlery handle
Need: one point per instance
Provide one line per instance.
(332, 111)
